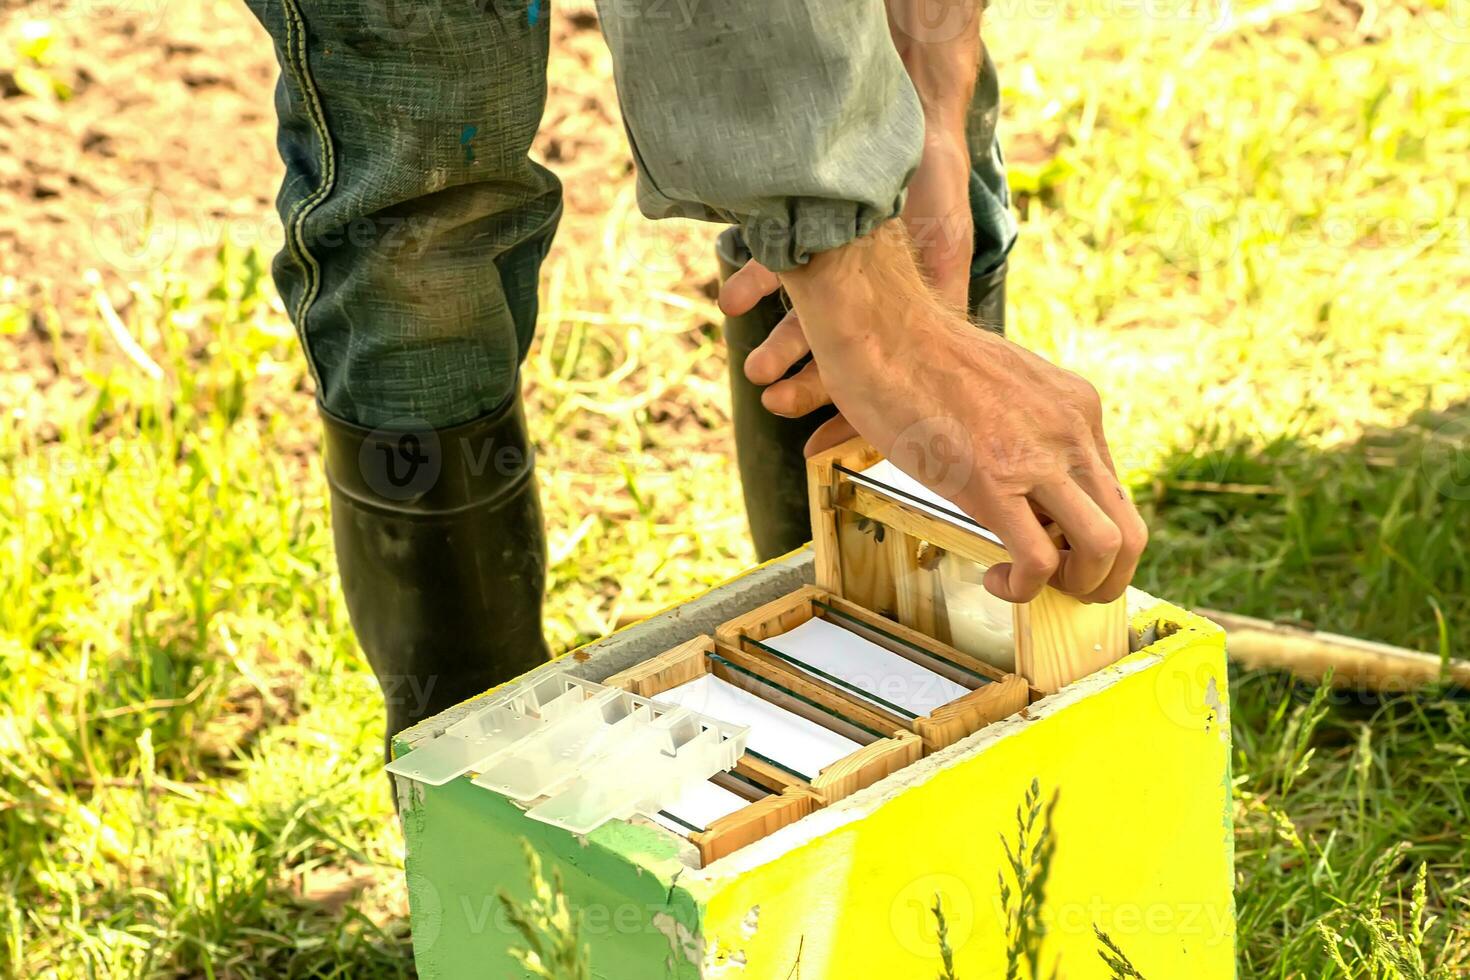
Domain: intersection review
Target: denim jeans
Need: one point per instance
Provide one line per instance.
(416, 222)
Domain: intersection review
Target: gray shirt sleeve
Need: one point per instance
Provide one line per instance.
(793, 118)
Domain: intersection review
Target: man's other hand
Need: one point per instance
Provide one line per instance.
(942, 58)
(994, 428)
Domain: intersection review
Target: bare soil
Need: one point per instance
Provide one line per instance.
(154, 145)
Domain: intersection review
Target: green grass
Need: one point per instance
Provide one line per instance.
(189, 744)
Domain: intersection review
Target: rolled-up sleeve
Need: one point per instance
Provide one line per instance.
(795, 120)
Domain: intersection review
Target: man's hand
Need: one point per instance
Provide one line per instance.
(937, 216)
(992, 427)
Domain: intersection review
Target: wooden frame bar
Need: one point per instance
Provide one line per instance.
(752, 823)
(993, 694)
(946, 725)
(888, 746)
(1058, 639)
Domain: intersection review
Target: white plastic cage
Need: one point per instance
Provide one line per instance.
(578, 752)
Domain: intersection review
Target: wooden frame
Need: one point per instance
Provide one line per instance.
(891, 749)
(1059, 639)
(752, 823)
(1001, 697)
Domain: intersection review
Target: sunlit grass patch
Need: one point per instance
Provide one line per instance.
(1247, 230)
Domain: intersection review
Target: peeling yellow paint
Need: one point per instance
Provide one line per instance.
(751, 922)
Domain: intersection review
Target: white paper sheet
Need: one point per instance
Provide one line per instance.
(883, 476)
(798, 744)
(979, 623)
(877, 672)
(700, 805)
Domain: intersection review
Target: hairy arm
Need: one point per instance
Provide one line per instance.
(938, 42)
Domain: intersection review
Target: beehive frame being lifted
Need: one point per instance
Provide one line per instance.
(1057, 637)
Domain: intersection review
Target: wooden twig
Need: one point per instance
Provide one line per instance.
(1257, 20)
(1211, 486)
(1308, 654)
(153, 704)
(119, 330)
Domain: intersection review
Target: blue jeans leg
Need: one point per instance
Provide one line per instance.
(415, 220)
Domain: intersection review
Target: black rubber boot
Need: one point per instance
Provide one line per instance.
(442, 555)
(988, 299)
(768, 448)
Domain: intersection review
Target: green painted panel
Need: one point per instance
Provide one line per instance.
(464, 848)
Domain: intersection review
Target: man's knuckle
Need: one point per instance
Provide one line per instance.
(1104, 542)
(1135, 537)
(1042, 562)
(1084, 393)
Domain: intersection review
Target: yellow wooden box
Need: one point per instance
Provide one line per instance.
(1092, 824)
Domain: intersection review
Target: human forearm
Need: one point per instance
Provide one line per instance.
(864, 299)
(939, 44)
(867, 305)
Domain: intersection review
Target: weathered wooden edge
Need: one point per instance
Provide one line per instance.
(948, 724)
(789, 611)
(1060, 639)
(861, 769)
(751, 823)
(678, 665)
(822, 481)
